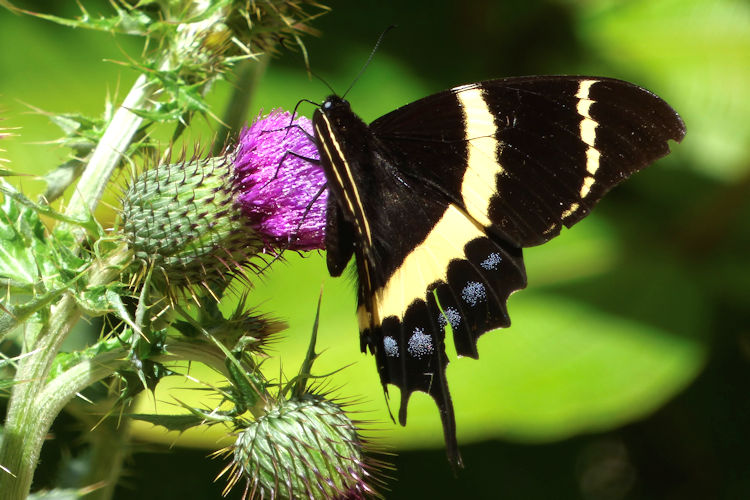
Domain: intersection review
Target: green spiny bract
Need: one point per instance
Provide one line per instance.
(183, 219)
(306, 447)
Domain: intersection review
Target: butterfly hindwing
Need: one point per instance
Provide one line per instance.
(470, 297)
(437, 199)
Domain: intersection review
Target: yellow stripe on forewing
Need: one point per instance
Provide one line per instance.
(426, 264)
(570, 211)
(355, 206)
(583, 88)
(586, 187)
(479, 183)
(592, 160)
(588, 124)
(588, 135)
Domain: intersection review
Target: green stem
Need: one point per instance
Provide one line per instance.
(25, 424)
(110, 150)
(108, 442)
(25, 432)
(35, 402)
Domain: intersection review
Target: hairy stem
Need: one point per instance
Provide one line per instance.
(112, 146)
(35, 402)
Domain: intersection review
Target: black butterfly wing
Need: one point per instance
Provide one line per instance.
(541, 151)
(455, 276)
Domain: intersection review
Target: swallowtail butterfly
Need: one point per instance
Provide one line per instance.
(437, 199)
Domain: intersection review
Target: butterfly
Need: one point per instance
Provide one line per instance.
(437, 199)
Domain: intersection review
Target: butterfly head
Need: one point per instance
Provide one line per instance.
(334, 103)
(337, 115)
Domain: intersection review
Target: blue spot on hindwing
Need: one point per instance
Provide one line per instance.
(492, 261)
(420, 344)
(391, 347)
(449, 315)
(474, 293)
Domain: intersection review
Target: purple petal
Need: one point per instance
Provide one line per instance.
(282, 191)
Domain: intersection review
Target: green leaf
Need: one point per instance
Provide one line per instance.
(4, 172)
(305, 371)
(13, 315)
(27, 261)
(128, 22)
(65, 360)
(178, 423)
(105, 299)
(60, 178)
(183, 98)
(88, 223)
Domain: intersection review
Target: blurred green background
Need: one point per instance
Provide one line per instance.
(625, 373)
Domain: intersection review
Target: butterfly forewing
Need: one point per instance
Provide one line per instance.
(531, 154)
(437, 199)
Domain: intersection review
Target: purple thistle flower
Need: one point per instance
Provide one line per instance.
(282, 194)
(201, 220)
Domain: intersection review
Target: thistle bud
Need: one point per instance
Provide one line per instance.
(200, 220)
(182, 218)
(302, 448)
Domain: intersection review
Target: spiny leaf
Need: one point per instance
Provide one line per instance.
(89, 223)
(60, 178)
(65, 360)
(27, 260)
(13, 315)
(179, 423)
(128, 22)
(4, 172)
(305, 371)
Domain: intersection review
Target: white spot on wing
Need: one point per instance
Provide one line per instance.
(491, 262)
(449, 315)
(592, 160)
(583, 88)
(588, 131)
(391, 347)
(420, 344)
(474, 293)
(570, 211)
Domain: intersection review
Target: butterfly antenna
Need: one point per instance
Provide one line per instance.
(324, 82)
(294, 112)
(372, 54)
